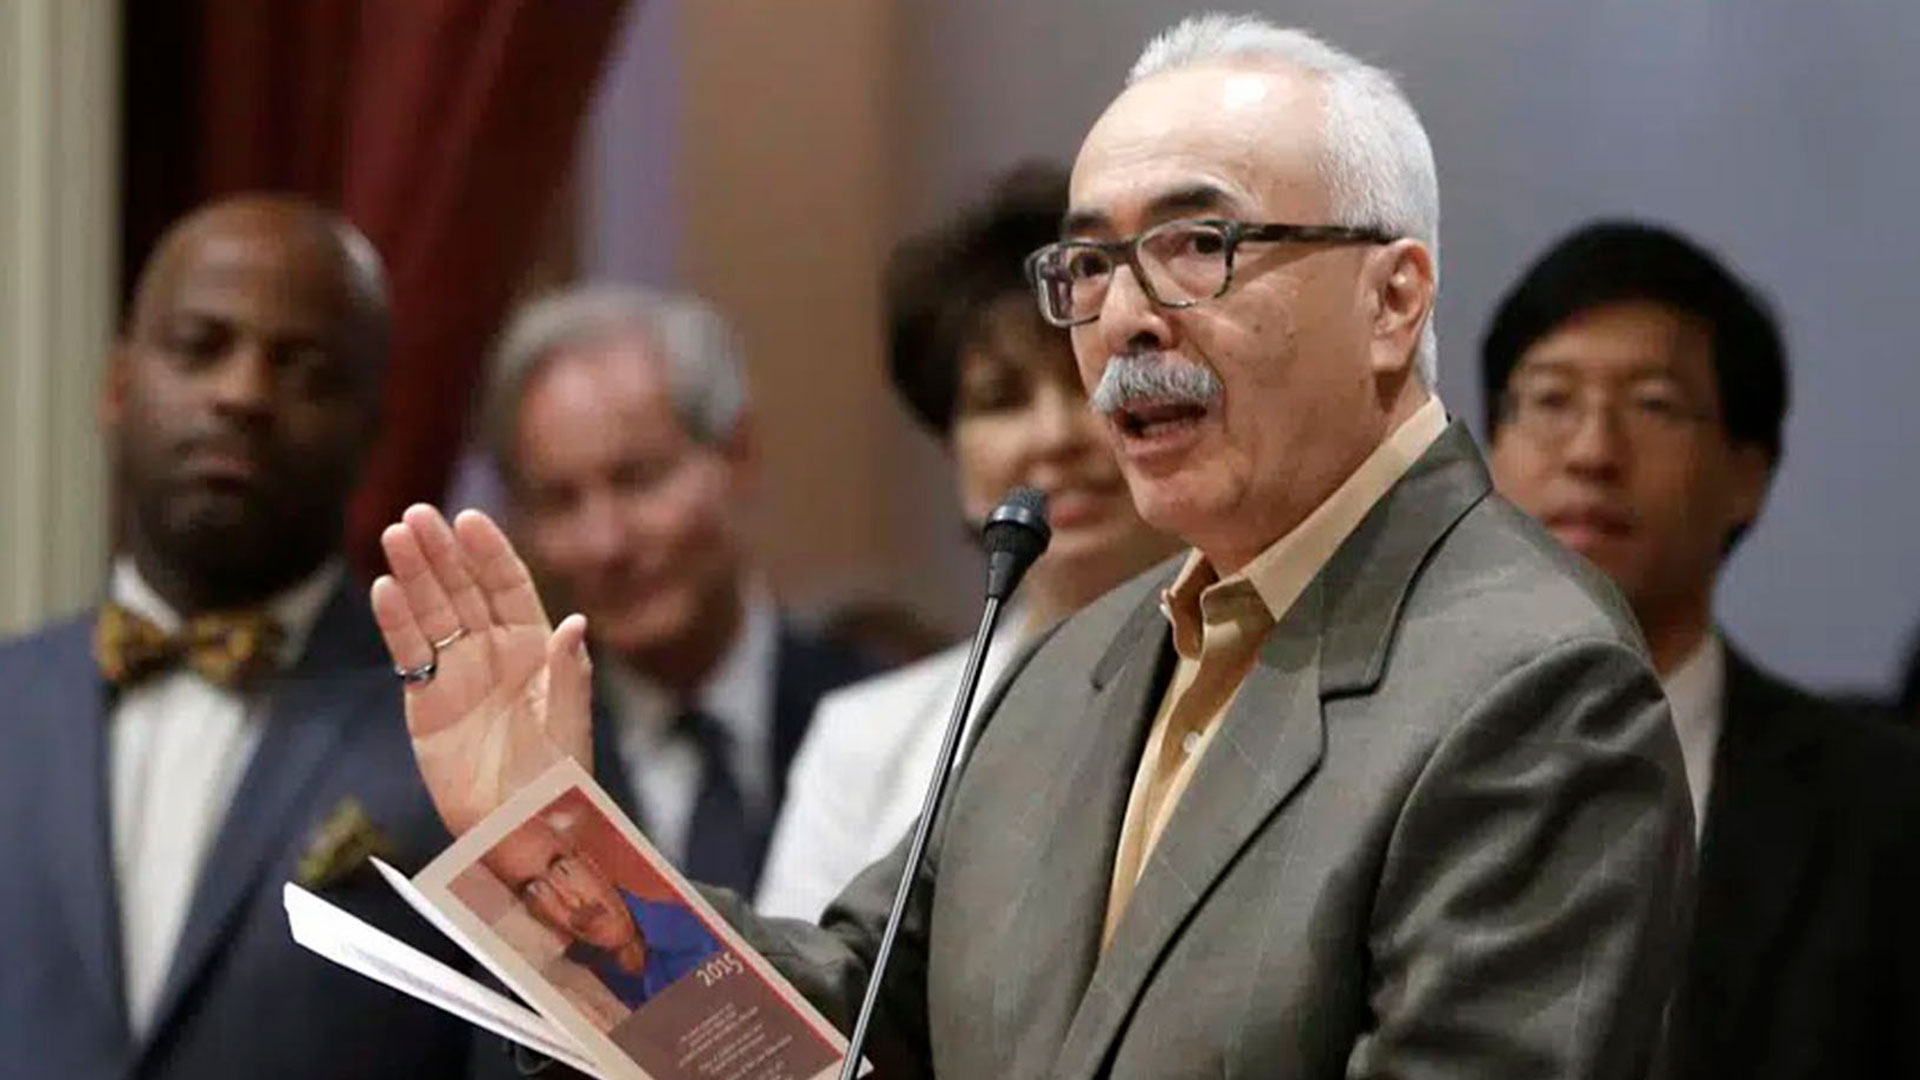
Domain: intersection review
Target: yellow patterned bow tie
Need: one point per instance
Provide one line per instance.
(227, 648)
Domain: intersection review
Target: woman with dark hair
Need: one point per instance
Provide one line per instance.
(970, 354)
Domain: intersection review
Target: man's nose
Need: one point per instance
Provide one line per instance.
(1598, 442)
(603, 535)
(242, 382)
(1129, 319)
(573, 900)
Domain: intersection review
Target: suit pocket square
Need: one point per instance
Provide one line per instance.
(342, 844)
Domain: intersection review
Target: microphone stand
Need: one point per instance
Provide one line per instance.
(936, 791)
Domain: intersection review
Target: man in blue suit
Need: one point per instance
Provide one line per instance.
(636, 947)
(224, 721)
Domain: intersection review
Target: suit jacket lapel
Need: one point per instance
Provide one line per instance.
(1268, 743)
(1066, 872)
(79, 849)
(308, 716)
(1763, 814)
(1334, 641)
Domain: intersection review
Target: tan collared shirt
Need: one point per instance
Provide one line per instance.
(1218, 626)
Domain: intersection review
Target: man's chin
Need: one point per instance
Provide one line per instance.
(636, 633)
(1613, 561)
(238, 546)
(1607, 553)
(1174, 504)
(210, 532)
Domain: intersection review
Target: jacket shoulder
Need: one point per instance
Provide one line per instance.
(28, 652)
(1868, 755)
(1514, 589)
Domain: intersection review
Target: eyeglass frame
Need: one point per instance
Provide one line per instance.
(1233, 232)
(1611, 408)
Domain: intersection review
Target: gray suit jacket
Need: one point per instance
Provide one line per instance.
(1443, 831)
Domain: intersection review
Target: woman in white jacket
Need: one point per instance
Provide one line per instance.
(973, 359)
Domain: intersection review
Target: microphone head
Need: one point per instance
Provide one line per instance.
(1019, 522)
(1015, 535)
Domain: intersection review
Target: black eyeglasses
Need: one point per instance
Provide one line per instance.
(1178, 264)
(1550, 411)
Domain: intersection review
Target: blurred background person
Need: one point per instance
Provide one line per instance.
(620, 423)
(1638, 391)
(225, 720)
(978, 366)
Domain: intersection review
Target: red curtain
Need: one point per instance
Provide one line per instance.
(441, 127)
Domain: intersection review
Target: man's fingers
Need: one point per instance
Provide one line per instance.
(503, 578)
(406, 644)
(426, 599)
(570, 691)
(450, 566)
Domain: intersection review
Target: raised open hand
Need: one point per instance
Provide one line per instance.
(509, 693)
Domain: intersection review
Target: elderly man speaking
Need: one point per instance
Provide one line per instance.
(1376, 781)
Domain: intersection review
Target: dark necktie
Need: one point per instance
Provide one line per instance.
(227, 648)
(724, 846)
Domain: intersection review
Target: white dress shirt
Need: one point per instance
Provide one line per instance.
(1696, 692)
(663, 766)
(177, 746)
(860, 777)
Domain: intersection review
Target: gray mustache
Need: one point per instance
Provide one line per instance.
(1132, 378)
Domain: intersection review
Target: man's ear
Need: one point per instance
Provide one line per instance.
(741, 450)
(1749, 476)
(113, 385)
(1399, 279)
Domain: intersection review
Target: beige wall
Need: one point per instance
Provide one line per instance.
(59, 117)
(786, 179)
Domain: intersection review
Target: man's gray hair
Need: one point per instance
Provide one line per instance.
(1377, 160)
(705, 372)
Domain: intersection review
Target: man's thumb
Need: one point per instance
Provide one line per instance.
(570, 690)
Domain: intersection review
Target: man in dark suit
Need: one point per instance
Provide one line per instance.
(225, 721)
(1638, 391)
(620, 424)
(1376, 782)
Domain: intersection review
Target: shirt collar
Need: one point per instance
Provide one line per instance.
(739, 694)
(295, 609)
(1696, 682)
(1696, 696)
(1278, 575)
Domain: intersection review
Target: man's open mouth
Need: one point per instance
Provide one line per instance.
(1151, 419)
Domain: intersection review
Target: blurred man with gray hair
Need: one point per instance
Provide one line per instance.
(620, 422)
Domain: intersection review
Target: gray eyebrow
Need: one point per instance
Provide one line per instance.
(1189, 199)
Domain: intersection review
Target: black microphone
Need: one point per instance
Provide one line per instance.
(1015, 535)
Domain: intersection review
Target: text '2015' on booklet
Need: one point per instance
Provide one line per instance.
(631, 975)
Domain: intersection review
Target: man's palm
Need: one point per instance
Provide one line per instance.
(508, 697)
